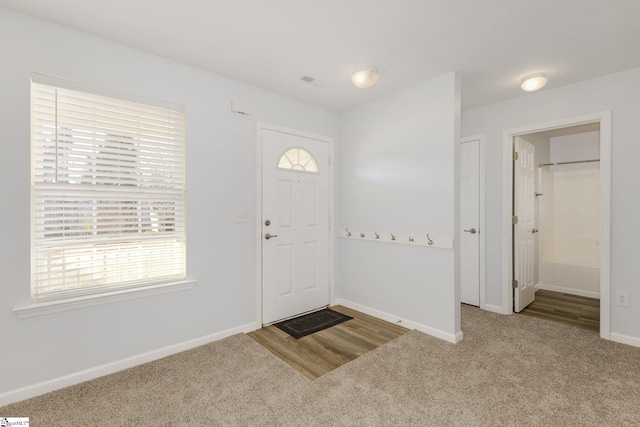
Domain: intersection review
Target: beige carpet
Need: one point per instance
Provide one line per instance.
(509, 370)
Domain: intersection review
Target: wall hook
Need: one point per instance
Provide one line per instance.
(348, 232)
(410, 239)
(377, 235)
(429, 241)
(361, 234)
(393, 237)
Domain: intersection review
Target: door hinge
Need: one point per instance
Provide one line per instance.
(515, 155)
(514, 283)
(329, 160)
(514, 219)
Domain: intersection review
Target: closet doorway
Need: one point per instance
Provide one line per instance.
(558, 224)
(558, 213)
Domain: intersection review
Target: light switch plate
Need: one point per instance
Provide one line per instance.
(240, 215)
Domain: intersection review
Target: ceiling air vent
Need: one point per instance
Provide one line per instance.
(313, 81)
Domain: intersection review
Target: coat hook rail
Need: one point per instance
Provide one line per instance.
(413, 239)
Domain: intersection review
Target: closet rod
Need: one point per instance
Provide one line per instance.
(567, 163)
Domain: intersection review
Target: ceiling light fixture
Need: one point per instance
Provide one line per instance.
(365, 77)
(533, 82)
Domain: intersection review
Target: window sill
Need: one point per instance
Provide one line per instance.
(48, 307)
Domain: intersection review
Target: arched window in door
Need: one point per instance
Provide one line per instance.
(298, 159)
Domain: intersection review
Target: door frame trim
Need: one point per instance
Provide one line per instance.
(604, 118)
(260, 126)
(481, 225)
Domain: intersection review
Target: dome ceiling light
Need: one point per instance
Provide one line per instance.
(533, 82)
(365, 77)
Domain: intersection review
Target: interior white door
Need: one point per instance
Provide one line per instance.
(295, 225)
(523, 230)
(469, 222)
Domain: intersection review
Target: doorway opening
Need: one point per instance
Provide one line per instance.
(556, 238)
(556, 212)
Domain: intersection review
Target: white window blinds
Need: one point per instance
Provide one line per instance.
(108, 191)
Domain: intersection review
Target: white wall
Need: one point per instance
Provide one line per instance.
(570, 230)
(397, 174)
(221, 165)
(577, 146)
(573, 211)
(619, 93)
(570, 224)
(575, 200)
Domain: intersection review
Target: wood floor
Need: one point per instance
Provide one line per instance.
(573, 310)
(321, 352)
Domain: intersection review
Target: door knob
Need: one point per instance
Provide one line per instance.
(268, 236)
(534, 230)
(471, 230)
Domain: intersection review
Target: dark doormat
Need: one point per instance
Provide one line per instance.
(307, 324)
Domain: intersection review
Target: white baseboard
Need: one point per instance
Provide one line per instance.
(38, 389)
(400, 321)
(493, 308)
(570, 291)
(624, 339)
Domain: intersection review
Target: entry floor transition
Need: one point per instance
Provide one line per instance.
(582, 312)
(321, 352)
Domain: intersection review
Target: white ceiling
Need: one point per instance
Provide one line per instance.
(273, 43)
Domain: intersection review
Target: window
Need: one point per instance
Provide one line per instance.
(108, 190)
(298, 159)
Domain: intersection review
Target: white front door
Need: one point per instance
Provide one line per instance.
(523, 229)
(295, 224)
(469, 222)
